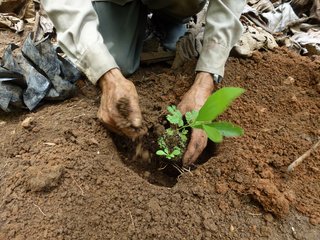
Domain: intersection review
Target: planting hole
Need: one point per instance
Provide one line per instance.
(141, 158)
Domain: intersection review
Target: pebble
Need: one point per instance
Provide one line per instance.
(289, 81)
(238, 178)
(268, 217)
(27, 122)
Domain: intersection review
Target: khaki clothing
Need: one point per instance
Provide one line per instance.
(79, 33)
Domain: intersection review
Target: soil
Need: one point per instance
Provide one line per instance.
(64, 176)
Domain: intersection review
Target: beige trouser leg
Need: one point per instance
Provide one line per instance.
(123, 27)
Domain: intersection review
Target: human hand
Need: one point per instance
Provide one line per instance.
(194, 100)
(119, 106)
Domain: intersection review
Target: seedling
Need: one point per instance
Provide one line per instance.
(203, 119)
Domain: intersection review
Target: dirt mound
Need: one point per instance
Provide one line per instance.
(64, 176)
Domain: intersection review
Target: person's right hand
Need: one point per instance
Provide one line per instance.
(119, 106)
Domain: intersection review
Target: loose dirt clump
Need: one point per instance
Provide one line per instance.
(271, 199)
(43, 178)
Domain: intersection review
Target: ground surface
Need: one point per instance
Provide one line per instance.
(64, 176)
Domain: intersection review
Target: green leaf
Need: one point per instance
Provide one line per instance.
(218, 102)
(176, 152)
(191, 116)
(183, 138)
(227, 129)
(161, 142)
(161, 153)
(169, 131)
(175, 116)
(213, 134)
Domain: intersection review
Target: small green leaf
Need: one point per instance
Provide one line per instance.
(176, 152)
(169, 156)
(175, 116)
(213, 134)
(184, 131)
(191, 116)
(169, 131)
(161, 142)
(227, 129)
(161, 153)
(183, 138)
(218, 102)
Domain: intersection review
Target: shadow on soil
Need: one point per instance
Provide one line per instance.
(151, 167)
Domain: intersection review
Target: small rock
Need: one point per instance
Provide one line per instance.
(27, 123)
(44, 178)
(289, 81)
(2, 123)
(94, 141)
(268, 217)
(232, 228)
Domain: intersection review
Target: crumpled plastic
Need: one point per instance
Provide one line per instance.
(297, 20)
(34, 74)
(8, 20)
(311, 8)
(279, 18)
(253, 38)
(14, 12)
(310, 41)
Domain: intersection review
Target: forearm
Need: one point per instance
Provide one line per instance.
(222, 31)
(76, 23)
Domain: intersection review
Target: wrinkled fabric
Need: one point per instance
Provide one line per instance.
(77, 28)
(34, 74)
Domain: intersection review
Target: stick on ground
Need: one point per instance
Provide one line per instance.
(299, 160)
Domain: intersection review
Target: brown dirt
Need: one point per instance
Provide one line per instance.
(64, 176)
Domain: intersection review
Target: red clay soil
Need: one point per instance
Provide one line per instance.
(64, 176)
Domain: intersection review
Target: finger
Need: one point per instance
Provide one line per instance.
(105, 120)
(135, 116)
(133, 133)
(182, 107)
(197, 144)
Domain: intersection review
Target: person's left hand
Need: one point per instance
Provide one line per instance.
(194, 99)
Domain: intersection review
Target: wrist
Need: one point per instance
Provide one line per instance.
(205, 80)
(113, 75)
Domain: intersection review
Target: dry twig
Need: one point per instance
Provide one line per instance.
(82, 192)
(299, 160)
(40, 209)
(132, 222)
